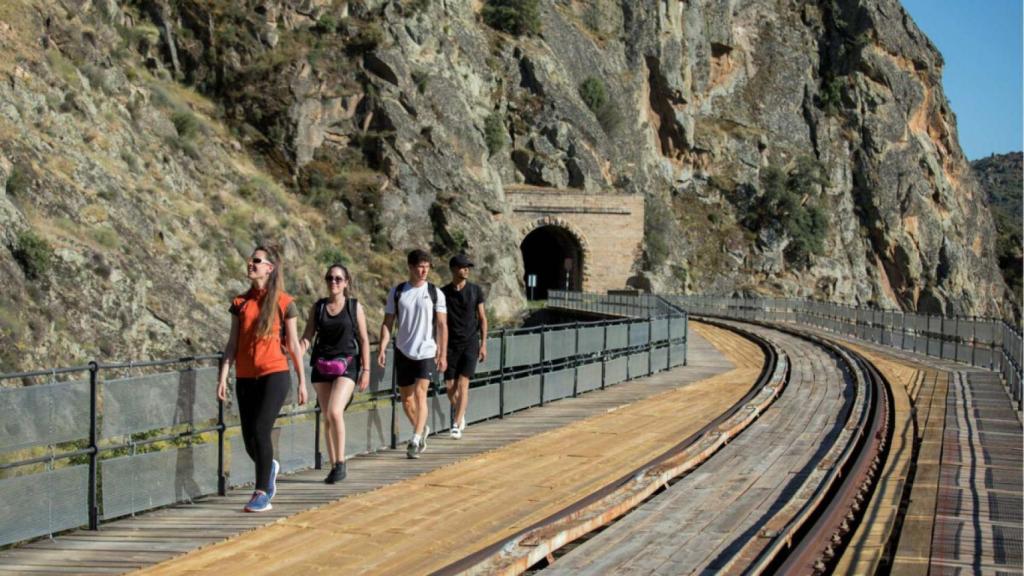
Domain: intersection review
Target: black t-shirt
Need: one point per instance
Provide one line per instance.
(463, 323)
(336, 335)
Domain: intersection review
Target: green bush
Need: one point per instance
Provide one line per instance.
(333, 255)
(327, 24)
(494, 133)
(593, 93)
(19, 179)
(516, 17)
(33, 254)
(185, 123)
(787, 206)
(369, 36)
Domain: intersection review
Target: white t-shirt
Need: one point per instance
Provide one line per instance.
(414, 334)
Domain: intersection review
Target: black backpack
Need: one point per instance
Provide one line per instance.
(350, 308)
(431, 289)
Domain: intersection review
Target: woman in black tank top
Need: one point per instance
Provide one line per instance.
(337, 330)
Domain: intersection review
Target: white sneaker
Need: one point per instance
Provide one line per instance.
(423, 440)
(456, 433)
(462, 425)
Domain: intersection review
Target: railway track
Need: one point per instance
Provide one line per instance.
(784, 496)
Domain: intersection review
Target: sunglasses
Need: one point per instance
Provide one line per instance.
(335, 279)
(257, 260)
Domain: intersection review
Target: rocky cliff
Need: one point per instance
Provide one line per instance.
(1001, 176)
(784, 147)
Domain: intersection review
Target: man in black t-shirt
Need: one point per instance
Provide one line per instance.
(467, 338)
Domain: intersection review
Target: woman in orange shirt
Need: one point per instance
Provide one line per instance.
(260, 319)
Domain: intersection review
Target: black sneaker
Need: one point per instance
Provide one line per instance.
(337, 473)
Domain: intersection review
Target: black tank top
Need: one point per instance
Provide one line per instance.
(336, 335)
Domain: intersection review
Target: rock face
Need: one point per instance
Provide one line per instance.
(149, 144)
(1002, 178)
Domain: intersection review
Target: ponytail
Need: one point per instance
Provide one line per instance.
(275, 286)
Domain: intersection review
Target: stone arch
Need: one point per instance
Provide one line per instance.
(570, 230)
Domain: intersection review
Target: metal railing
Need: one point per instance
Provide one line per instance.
(82, 445)
(987, 343)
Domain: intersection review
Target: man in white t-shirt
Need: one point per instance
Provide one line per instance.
(419, 308)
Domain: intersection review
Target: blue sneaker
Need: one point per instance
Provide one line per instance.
(274, 469)
(260, 503)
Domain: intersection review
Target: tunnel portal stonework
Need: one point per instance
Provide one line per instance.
(608, 227)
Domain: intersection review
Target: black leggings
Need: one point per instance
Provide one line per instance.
(259, 402)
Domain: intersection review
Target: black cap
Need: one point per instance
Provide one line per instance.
(460, 261)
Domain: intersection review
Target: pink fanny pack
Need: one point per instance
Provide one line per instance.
(336, 367)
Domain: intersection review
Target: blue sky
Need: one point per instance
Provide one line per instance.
(981, 43)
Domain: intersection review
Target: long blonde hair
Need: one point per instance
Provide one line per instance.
(275, 286)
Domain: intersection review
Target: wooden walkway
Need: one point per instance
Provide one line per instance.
(499, 467)
(964, 514)
(424, 523)
(757, 483)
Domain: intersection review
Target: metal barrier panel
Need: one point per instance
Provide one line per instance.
(439, 412)
(965, 328)
(985, 331)
(365, 431)
(588, 377)
(522, 393)
(43, 414)
(493, 362)
(949, 326)
(963, 352)
(949, 350)
(678, 327)
(154, 401)
(143, 481)
(294, 450)
(983, 357)
(241, 468)
(44, 503)
(935, 324)
(559, 384)
(639, 365)
(559, 344)
(522, 349)
(659, 359)
(618, 336)
(615, 371)
(483, 402)
(934, 347)
(591, 340)
(659, 331)
(639, 334)
(678, 355)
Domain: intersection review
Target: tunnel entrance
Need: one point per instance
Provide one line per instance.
(555, 256)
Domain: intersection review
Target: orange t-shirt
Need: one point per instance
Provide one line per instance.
(255, 356)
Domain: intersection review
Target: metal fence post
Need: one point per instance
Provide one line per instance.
(222, 479)
(501, 378)
(543, 374)
(318, 458)
(604, 354)
(575, 359)
(671, 317)
(394, 400)
(650, 345)
(94, 511)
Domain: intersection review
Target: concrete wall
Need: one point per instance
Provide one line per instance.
(609, 227)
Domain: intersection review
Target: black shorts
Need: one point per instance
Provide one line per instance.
(462, 360)
(408, 371)
(352, 372)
